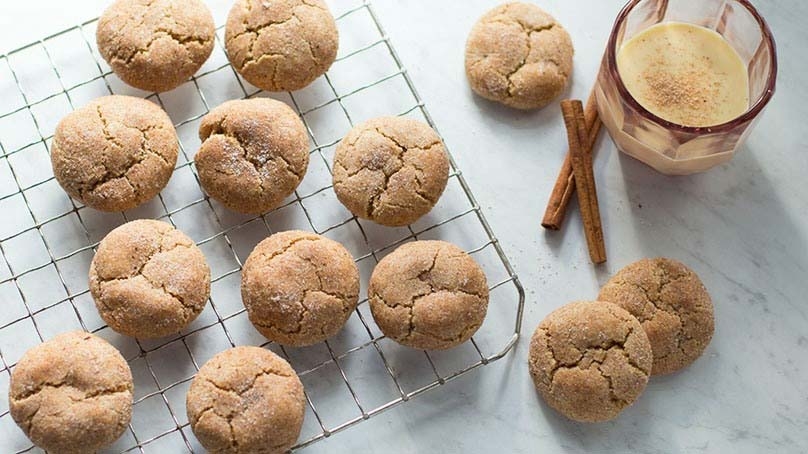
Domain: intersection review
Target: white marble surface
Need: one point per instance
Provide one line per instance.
(743, 227)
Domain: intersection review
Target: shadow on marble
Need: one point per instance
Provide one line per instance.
(739, 194)
(516, 118)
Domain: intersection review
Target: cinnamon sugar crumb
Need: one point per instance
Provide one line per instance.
(690, 93)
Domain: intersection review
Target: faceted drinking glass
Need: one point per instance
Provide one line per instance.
(672, 148)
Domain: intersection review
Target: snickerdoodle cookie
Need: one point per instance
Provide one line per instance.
(391, 170)
(254, 154)
(429, 295)
(148, 279)
(518, 55)
(299, 288)
(155, 45)
(246, 400)
(115, 153)
(672, 305)
(71, 394)
(281, 45)
(590, 360)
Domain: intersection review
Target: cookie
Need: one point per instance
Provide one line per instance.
(246, 400)
(590, 360)
(518, 55)
(428, 295)
(281, 45)
(254, 154)
(155, 45)
(672, 305)
(299, 288)
(391, 170)
(71, 394)
(148, 279)
(115, 153)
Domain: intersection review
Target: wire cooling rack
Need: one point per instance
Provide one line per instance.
(47, 240)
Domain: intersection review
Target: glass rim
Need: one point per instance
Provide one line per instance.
(747, 116)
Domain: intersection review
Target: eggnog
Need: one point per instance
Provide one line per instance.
(685, 74)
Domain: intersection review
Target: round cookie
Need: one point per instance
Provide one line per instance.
(254, 154)
(115, 153)
(518, 55)
(672, 305)
(391, 170)
(589, 360)
(155, 45)
(148, 279)
(281, 45)
(246, 399)
(428, 295)
(71, 394)
(299, 288)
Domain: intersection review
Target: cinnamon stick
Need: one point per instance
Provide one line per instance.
(583, 173)
(565, 183)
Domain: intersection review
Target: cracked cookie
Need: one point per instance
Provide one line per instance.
(391, 170)
(299, 288)
(148, 279)
(672, 306)
(155, 45)
(590, 360)
(115, 153)
(518, 55)
(428, 295)
(71, 394)
(254, 154)
(246, 400)
(281, 45)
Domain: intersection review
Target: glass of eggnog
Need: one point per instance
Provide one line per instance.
(683, 82)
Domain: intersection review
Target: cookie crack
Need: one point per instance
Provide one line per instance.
(108, 174)
(260, 28)
(120, 388)
(158, 33)
(250, 385)
(188, 308)
(164, 29)
(425, 277)
(657, 305)
(269, 257)
(373, 201)
(527, 31)
(321, 287)
(139, 271)
(245, 158)
(219, 129)
(587, 353)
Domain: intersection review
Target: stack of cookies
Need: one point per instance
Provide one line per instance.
(591, 359)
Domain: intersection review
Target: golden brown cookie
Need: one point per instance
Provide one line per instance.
(672, 305)
(299, 288)
(281, 45)
(71, 394)
(148, 279)
(391, 170)
(246, 400)
(429, 295)
(254, 154)
(590, 360)
(115, 153)
(155, 45)
(518, 55)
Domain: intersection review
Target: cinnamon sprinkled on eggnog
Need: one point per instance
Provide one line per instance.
(684, 73)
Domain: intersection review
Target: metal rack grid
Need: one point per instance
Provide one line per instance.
(68, 303)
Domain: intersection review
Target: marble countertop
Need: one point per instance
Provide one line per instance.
(743, 227)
